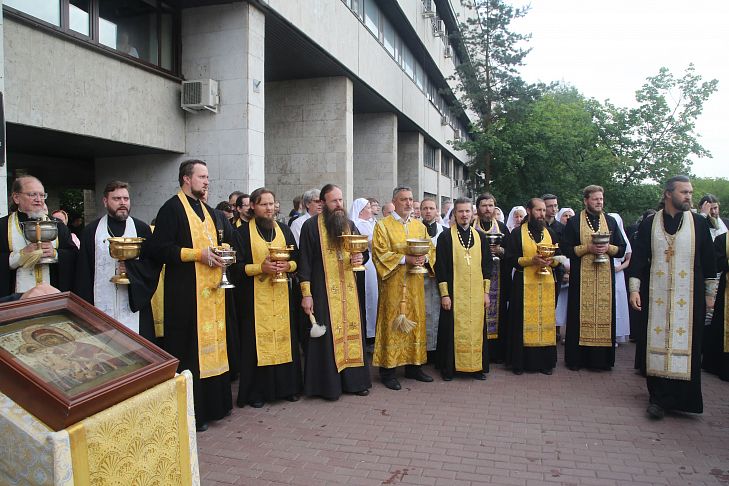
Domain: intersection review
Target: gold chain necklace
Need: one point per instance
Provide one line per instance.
(532, 236)
(590, 223)
(468, 248)
(670, 239)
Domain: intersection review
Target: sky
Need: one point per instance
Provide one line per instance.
(607, 49)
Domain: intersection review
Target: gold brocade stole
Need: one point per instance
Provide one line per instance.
(539, 314)
(492, 316)
(158, 307)
(468, 308)
(41, 271)
(343, 303)
(270, 304)
(596, 292)
(671, 294)
(726, 301)
(211, 342)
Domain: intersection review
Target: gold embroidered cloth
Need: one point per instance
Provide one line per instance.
(596, 292)
(270, 305)
(148, 439)
(468, 307)
(492, 316)
(212, 348)
(539, 314)
(392, 347)
(671, 292)
(343, 300)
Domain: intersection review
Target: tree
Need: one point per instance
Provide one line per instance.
(487, 81)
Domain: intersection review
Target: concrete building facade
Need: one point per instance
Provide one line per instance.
(353, 92)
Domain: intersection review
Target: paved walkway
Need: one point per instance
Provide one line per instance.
(571, 428)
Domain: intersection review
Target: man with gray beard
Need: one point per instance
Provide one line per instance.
(334, 293)
(20, 269)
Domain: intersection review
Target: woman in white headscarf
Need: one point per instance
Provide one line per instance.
(516, 216)
(622, 318)
(564, 215)
(361, 214)
(499, 214)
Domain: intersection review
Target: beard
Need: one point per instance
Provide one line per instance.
(536, 226)
(336, 222)
(680, 204)
(119, 215)
(264, 222)
(40, 214)
(200, 194)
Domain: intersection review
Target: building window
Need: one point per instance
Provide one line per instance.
(408, 62)
(389, 37)
(429, 157)
(445, 166)
(372, 17)
(141, 29)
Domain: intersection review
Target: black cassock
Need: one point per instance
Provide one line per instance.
(320, 371)
(716, 359)
(62, 273)
(265, 383)
(141, 273)
(518, 356)
(668, 393)
(445, 352)
(598, 357)
(212, 395)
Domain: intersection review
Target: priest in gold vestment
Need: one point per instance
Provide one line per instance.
(270, 366)
(334, 294)
(532, 336)
(402, 295)
(463, 268)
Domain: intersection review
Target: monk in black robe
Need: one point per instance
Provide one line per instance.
(716, 341)
(28, 202)
(463, 269)
(532, 321)
(674, 255)
(590, 335)
(336, 361)
(194, 306)
(270, 364)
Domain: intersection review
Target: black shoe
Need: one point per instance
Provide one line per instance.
(201, 427)
(331, 399)
(419, 375)
(446, 377)
(655, 412)
(362, 393)
(479, 375)
(391, 383)
(293, 398)
(546, 371)
(574, 367)
(518, 372)
(258, 404)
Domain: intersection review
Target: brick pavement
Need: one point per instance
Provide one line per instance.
(571, 428)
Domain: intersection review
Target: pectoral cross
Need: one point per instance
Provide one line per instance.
(669, 253)
(468, 258)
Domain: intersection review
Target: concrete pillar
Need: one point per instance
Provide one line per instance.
(410, 161)
(375, 155)
(308, 136)
(4, 167)
(224, 43)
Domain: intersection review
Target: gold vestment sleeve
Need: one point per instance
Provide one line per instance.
(443, 289)
(190, 254)
(306, 289)
(293, 266)
(633, 284)
(486, 285)
(581, 250)
(525, 261)
(253, 269)
(612, 250)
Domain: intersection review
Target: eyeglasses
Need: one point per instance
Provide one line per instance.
(36, 195)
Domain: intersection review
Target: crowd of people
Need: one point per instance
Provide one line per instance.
(459, 288)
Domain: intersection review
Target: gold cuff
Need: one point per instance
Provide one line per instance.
(190, 254)
(293, 266)
(633, 284)
(305, 289)
(525, 261)
(581, 250)
(612, 250)
(486, 285)
(443, 289)
(254, 269)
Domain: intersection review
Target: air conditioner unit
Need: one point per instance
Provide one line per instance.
(443, 120)
(200, 94)
(438, 27)
(428, 9)
(448, 51)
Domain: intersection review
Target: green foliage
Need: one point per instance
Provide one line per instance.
(712, 185)
(72, 201)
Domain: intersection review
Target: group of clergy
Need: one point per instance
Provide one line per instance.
(467, 299)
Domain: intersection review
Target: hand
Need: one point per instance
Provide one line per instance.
(208, 257)
(121, 267)
(496, 250)
(445, 303)
(307, 303)
(269, 267)
(634, 300)
(48, 250)
(356, 259)
(705, 208)
(283, 267)
(541, 262)
(31, 247)
(566, 278)
(597, 249)
(417, 261)
(486, 300)
(709, 302)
